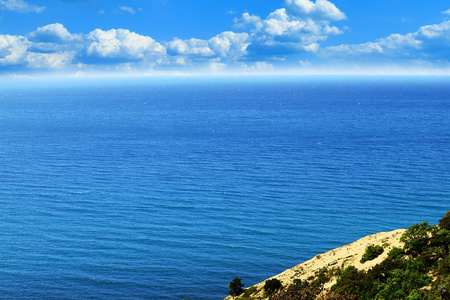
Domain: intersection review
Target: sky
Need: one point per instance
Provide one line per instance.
(82, 37)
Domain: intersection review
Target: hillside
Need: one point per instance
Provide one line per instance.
(348, 255)
(414, 264)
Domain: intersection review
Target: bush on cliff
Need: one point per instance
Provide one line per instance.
(417, 238)
(271, 286)
(235, 287)
(372, 252)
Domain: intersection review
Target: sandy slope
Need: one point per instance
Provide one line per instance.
(340, 257)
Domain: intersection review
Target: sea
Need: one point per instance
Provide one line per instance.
(171, 187)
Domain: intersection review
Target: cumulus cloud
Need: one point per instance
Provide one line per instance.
(229, 44)
(53, 33)
(121, 43)
(226, 44)
(20, 6)
(279, 23)
(192, 47)
(247, 20)
(13, 49)
(430, 42)
(321, 9)
(293, 34)
(54, 47)
(446, 12)
(298, 28)
(284, 33)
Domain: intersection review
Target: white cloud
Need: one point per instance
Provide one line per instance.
(290, 35)
(225, 44)
(13, 49)
(285, 33)
(321, 9)
(49, 60)
(53, 33)
(366, 48)
(180, 61)
(314, 47)
(229, 44)
(246, 20)
(430, 42)
(20, 6)
(215, 65)
(259, 66)
(436, 30)
(54, 47)
(280, 34)
(397, 41)
(304, 63)
(127, 9)
(392, 45)
(194, 47)
(279, 23)
(121, 43)
(446, 12)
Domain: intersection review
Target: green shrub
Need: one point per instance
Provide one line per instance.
(248, 292)
(402, 283)
(299, 290)
(349, 280)
(396, 253)
(235, 287)
(271, 286)
(322, 276)
(417, 238)
(381, 272)
(372, 252)
(416, 295)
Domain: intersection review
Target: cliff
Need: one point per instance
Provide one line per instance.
(348, 255)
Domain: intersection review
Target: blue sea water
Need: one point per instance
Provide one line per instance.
(149, 188)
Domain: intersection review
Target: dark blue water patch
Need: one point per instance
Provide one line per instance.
(169, 190)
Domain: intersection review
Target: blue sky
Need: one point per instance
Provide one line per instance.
(77, 37)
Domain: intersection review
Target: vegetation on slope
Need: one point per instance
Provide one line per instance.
(419, 270)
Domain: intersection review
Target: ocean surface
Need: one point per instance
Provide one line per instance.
(168, 188)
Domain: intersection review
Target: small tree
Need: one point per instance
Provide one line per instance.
(235, 287)
(272, 285)
(417, 238)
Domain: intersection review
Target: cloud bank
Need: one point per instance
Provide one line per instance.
(289, 38)
(430, 42)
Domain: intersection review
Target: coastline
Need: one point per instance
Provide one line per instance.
(342, 257)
